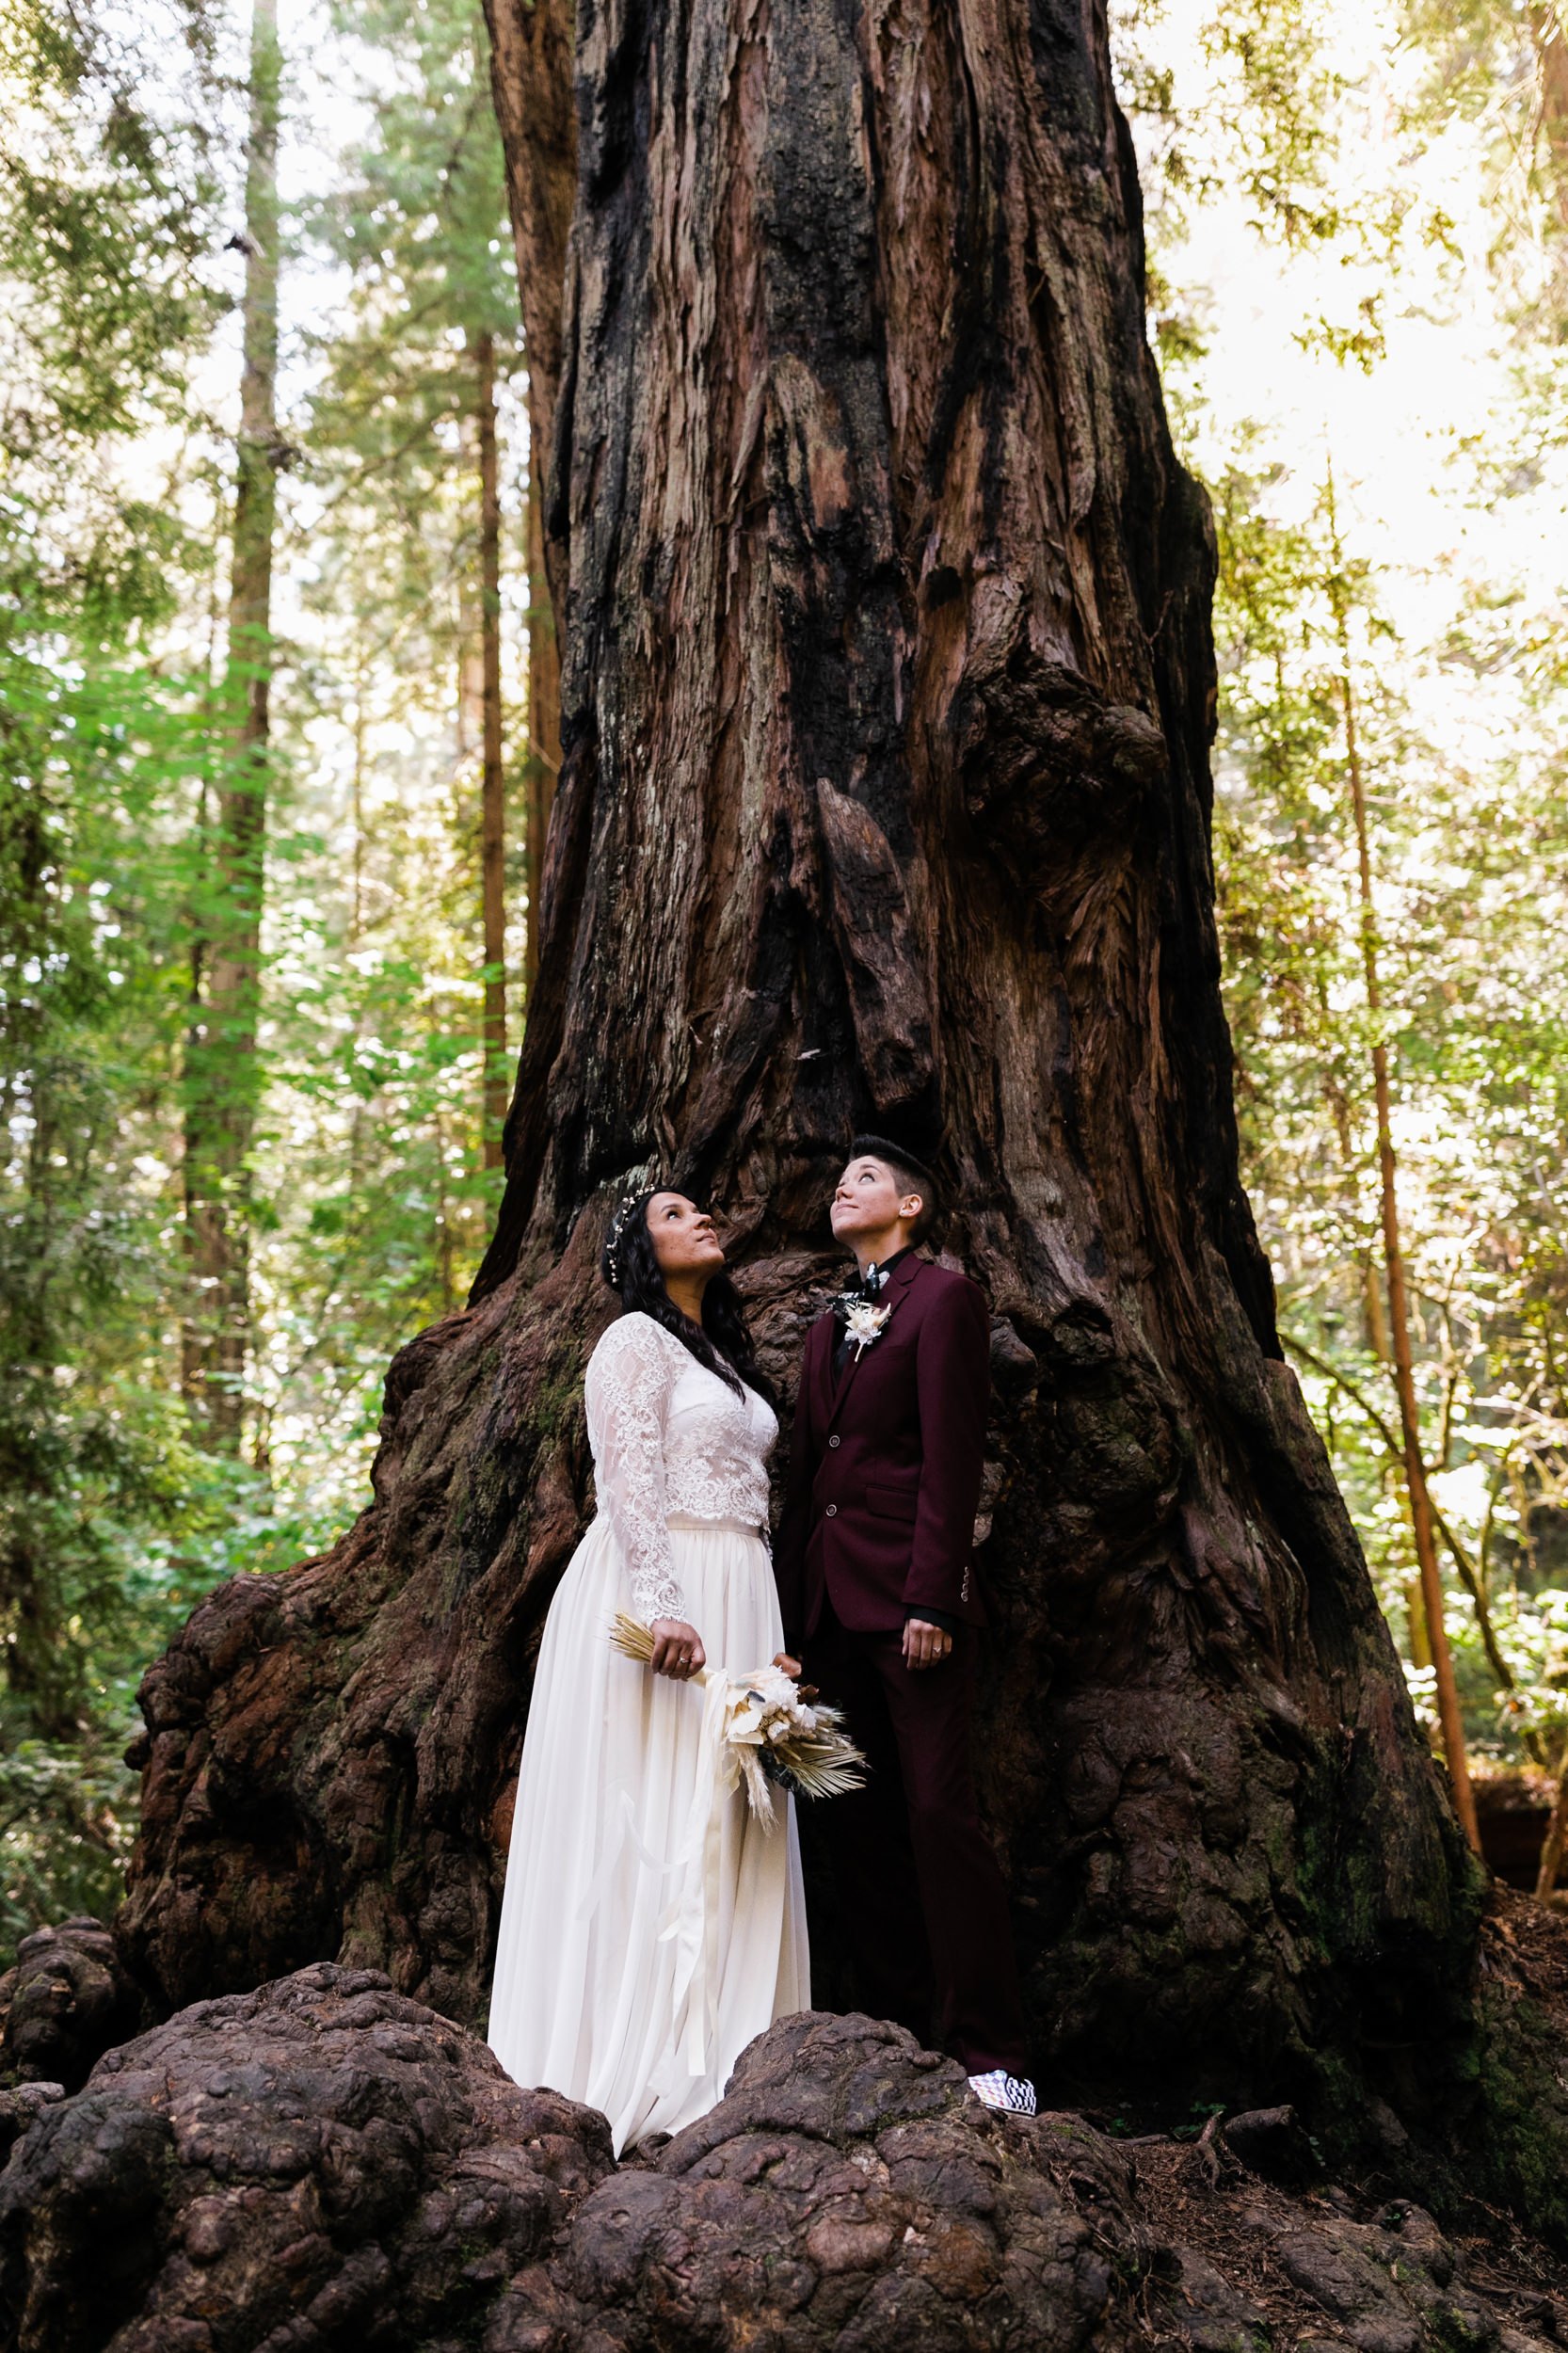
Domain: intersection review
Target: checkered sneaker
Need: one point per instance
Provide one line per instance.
(999, 2089)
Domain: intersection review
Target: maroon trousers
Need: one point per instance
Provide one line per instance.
(920, 1889)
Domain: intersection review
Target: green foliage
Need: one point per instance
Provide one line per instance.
(418, 222)
(371, 1158)
(1472, 883)
(114, 507)
(107, 200)
(104, 220)
(1501, 67)
(1461, 724)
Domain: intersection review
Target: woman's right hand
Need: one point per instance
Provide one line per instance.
(678, 1650)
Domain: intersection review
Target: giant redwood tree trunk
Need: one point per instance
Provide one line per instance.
(884, 802)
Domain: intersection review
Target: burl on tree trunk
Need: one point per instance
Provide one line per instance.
(886, 690)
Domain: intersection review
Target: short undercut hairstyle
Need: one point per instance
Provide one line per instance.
(912, 1176)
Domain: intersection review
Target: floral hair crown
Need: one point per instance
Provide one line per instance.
(619, 1223)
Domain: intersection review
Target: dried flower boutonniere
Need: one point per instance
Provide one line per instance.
(863, 1323)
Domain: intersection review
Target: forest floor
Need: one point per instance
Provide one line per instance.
(1193, 2192)
(1259, 2239)
(1527, 1943)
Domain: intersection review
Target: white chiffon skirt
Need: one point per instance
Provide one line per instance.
(650, 1927)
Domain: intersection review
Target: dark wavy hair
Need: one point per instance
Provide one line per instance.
(721, 1341)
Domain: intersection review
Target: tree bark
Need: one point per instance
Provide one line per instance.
(492, 793)
(544, 713)
(531, 62)
(531, 76)
(222, 1082)
(887, 691)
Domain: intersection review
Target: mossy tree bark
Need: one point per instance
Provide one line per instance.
(884, 801)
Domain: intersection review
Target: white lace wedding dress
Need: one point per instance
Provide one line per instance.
(649, 1928)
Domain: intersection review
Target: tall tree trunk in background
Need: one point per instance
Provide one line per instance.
(531, 57)
(1373, 1311)
(1398, 1306)
(1555, 1839)
(887, 691)
(544, 715)
(530, 75)
(493, 790)
(222, 1078)
(471, 660)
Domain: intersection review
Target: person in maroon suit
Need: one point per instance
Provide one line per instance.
(880, 1605)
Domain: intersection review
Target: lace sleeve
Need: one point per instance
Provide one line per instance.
(629, 1378)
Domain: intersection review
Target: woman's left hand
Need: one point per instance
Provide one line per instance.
(789, 1666)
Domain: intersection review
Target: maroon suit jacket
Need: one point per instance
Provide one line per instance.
(886, 1460)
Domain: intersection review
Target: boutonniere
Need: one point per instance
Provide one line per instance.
(863, 1322)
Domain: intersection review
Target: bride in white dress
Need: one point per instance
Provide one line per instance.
(651, 1927)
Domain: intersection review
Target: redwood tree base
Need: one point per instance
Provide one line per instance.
(326, 2163)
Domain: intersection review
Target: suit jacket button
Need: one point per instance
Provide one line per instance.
(832, 1442)
(832, 1511)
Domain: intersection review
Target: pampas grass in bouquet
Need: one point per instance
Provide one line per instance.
(767, 1731)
